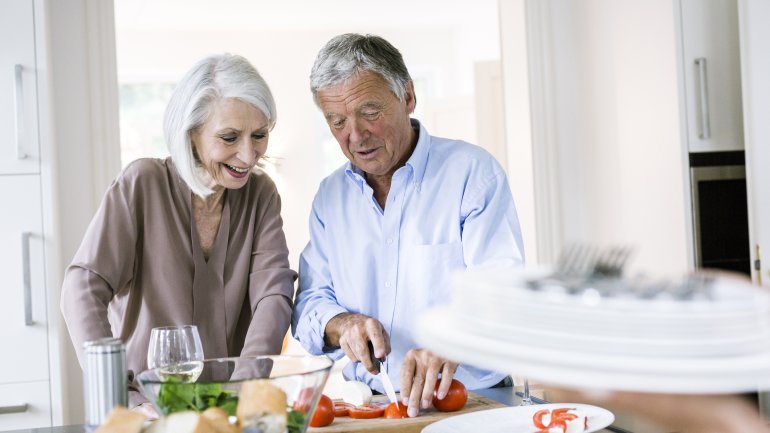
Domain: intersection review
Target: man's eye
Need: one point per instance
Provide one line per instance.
(338, 124)
(371, 114)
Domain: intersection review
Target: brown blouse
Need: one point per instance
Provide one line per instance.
(141, 265)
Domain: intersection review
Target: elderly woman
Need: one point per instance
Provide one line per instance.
(195, 238)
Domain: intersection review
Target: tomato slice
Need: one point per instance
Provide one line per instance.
(537, 418)
(562, 410)
(342, 409)
(366, 411)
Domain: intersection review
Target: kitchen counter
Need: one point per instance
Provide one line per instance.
(502, 395)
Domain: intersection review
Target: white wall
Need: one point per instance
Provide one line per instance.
(615, 121)
(518, 123)
(754, 16)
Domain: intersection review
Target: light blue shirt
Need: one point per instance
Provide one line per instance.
(449, 208)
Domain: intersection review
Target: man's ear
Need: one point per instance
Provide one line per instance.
(410, 98)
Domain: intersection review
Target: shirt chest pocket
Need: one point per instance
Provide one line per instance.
(431, 267)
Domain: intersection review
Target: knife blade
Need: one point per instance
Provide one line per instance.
(386, 383)
(389, 391)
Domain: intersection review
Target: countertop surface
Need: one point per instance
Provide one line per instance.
(502, 395)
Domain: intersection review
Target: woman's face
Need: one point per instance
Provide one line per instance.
(230, 142)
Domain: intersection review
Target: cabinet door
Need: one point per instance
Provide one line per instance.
(19, 149)
(23, 333)
(25, 405)
(712, 75)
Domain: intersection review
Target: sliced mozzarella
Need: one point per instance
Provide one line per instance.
(356, 393)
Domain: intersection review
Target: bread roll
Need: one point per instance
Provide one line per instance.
(122, 420)
(219, 420)
(263, 405)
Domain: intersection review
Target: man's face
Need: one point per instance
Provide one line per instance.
(369, 122)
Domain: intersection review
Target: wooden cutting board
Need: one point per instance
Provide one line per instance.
(408, 425)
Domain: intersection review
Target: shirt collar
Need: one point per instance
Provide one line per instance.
(419, 158)
(417, 161)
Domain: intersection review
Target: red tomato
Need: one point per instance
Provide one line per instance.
(394, 411)
(323, 414)
(342, 409)
(366, 411)
(455, 398)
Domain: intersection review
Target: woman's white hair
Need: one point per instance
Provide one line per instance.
(211, 79)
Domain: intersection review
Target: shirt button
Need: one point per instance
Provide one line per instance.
(387, 283)
(390, 241)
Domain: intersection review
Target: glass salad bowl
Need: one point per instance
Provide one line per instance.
(251, 390)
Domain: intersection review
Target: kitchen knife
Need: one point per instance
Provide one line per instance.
(386, 383)
(389, 391)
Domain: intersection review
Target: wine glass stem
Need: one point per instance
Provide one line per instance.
(525, 399)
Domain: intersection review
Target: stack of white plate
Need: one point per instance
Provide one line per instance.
(714, 341)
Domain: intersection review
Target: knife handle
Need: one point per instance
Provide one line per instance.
(375, 361)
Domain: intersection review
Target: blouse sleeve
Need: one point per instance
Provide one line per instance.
(102, 265)
(271, 284)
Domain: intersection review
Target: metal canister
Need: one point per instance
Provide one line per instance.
(106, 378)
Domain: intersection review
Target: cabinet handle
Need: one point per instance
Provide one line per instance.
(27, 280)
(18, 99)
(758, 263)
(705, 124)
(14, 409)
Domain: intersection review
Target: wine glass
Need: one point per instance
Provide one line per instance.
(177, 352)
(526, 400)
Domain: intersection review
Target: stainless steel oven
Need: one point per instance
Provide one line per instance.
(720, 217)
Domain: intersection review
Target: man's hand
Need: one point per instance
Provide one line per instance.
(418, 378)
(353, 332)
(691, 413)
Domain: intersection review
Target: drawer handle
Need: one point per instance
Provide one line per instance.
(18, 99)
(14, 409)
(705, 124)
(28, 320)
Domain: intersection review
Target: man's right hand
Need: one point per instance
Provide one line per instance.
(352, 333)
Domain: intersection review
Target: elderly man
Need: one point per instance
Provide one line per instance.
(388, 228)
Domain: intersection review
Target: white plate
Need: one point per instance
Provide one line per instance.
(441, 331)
(517, 419)
(574, 340)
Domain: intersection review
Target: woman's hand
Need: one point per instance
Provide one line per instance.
(148, 410)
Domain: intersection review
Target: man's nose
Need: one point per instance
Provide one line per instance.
(358, 132)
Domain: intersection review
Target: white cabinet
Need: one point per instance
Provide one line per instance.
(23, 306)
(25, 405)
(19, 143)
(25, 397)
(712, 76)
